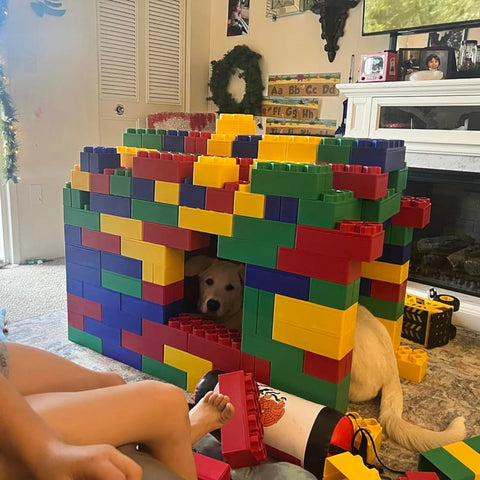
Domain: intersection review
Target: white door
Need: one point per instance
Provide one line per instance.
(141, 63)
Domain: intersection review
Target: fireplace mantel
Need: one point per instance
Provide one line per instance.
(449, 149)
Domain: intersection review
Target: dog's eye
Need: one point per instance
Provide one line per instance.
(209, 281)
(229, 287)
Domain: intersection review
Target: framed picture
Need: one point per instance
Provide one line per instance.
(408, 62)
(438, 59)
(447, 38)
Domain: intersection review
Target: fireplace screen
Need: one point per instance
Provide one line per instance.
(446, 253)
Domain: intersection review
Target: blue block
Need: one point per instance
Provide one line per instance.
(85, 159)
(99, 329)
(365, 287)
(276, 281)
(289, 209)
(85, 256)
(114, 317)
(75, 287)
(117, 352)
(75, 271)
(130, 267)
(143, 189)
(104, 157)
(173, 143)
(387, 154)
(111, 204)
(73, 234)
(192, 195)
(397, 254)
(149, 310)
(108, 298)
(245, 146)
(272, 208)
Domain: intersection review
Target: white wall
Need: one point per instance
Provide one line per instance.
(52, 66)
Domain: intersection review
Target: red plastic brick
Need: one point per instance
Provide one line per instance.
(76, 320)
(100, 183)
(242, 437)
(414, 212)
(175, 237)
(420, 476)
(163, 166)
(86, 307)
(162, 294)
(105, 242)
(392, 292)
(210, 468)
(325, 368)
(219, 199)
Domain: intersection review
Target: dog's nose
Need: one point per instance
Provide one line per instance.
(213, 305)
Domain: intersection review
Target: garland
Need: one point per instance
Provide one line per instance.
(7, 120)
(244, 59)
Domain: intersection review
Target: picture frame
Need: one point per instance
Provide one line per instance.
(447, 38)
(446, 60)
(408, 62)
(413, 60)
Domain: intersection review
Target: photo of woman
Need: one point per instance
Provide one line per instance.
(237, 20)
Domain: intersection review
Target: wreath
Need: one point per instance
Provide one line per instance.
(246, 60)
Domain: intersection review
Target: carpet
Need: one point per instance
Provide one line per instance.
(450, 388)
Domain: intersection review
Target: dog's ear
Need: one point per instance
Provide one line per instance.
(197, 264)
(241, 272)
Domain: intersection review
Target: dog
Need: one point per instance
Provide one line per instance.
(220, 295)
(374, 365)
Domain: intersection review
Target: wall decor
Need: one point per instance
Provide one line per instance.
(284, 8)
(48, 7)
(305, 109)
(303, 85)
(408, 62)
(238, 17)
(322, 128)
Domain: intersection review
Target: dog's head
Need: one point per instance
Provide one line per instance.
(220, 285)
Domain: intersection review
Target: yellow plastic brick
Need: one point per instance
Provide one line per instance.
(385, 272)
(375, 430)
(211, 171)
(346, 466)
(394, 328)
(303, 151)
(249, 204)
(465, 455)
(80, 180)
(272, 148)
(167, 192)
(207, 221)
(412, 363)
(124, 227)
(126, 155)
(220, 145)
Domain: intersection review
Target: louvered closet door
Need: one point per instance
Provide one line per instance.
(141, 62)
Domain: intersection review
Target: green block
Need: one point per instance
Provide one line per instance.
(444, 464)
(305, 386)
(266, 302)
(155, 212)
(398, 180)
(85, 339)
(335, 150)
(473, 443)
(383, 308)
(121, 183)
(80, 199)
(332, 207)
(67, 196)
(153, 139)
(296, 180)
(132, 138)
(247, 251)
(122, 283)
(266, 231)
(81, 218)
(383, 209)
(395, 235)
(334, 295)
(165, 372)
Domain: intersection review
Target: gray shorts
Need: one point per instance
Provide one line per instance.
(3, 359)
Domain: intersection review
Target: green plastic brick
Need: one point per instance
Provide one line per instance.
(334, 295)
(81, 218)
(122, 283)
(247, 251)
(383, 209)
(85, 339)
(396, 235)
(131, 138)
(446, 465)
(265, 231)
(153, 139)
(166, 372)
(121, 183)
(67, 195)
(80, 199)
(398, 180)
(383, 308)
(155, 212)
(335, 150)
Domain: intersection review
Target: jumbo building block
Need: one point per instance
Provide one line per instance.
(375, 430)
(215, 171)
(387, 154)
(273, 148)
(365, 182)
(414, 212)
(249, 204)
(121, 182)
(419, 476)
(346, 466)
(167, 192)
(210, 468)
(302, 149)
(335, 150)
(234, 123)
(165, 166)
(80, 179)
(246, 146)
(220, 145)
(173, 140)
(412, 363)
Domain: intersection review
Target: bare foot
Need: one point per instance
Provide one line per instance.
(213, 411)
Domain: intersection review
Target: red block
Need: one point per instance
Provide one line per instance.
(365, 181)
(76, 320)
(162, 294)
(262, 371)
(414, 212)
(420, 476)
(352, 239)
(392, 292)
(242, 437)
(100, 183)
(105, 242)
(163, 166)
(85, 307)
(325, 368)
(210, 468)
(142, 345)
(219, 199)
(201, 143)
(324, 267)
(189, 143)
(245, 169)
(175, 237)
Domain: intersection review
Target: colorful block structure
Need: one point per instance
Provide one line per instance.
(312, 251)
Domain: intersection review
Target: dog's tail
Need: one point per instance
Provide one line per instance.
(408, 435)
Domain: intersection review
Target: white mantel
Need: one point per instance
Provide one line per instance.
(439, 149)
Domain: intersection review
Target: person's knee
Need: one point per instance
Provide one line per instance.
(166, 396)
(111, 379)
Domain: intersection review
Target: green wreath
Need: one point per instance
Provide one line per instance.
(247, 61)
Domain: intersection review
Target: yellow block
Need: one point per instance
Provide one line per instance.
(412, 363)
(273, 149)
(167, 192)
(126, 155)
(215, 171)
(249, 204)
(315, 328)
(302, 151)
(167, 262)
(147, 272)
(80, 180)
(394, 328)
(207, 221)
(220, 145)
(466, 455)
(375, 430)
(236, 123)
(124, 227)
(346, 466)
(385, 272)
(195, 367)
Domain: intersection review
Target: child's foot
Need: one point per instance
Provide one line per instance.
(213, 411)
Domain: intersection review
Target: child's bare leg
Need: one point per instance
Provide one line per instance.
(151, 413)
(37, 371)
(213, 411)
